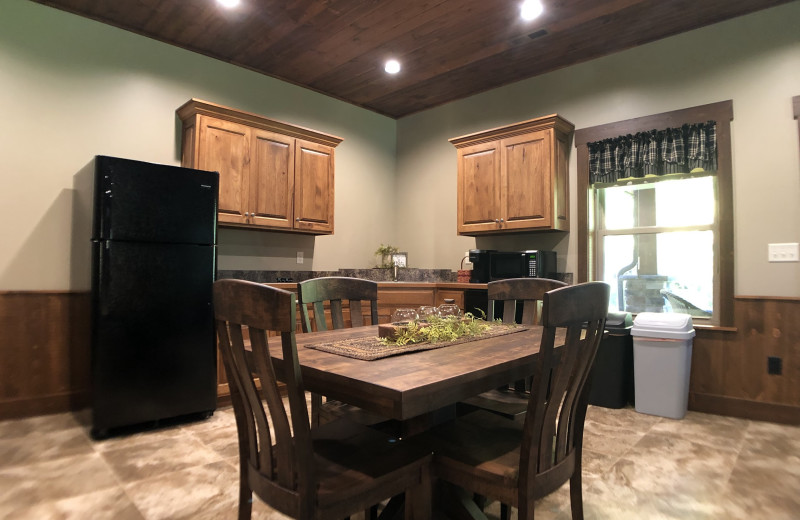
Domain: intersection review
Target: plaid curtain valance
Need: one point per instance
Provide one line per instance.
(656, 152)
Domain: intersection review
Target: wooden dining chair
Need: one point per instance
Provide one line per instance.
(519, 462)
(332, 471)
(337, 291)
(512, 296)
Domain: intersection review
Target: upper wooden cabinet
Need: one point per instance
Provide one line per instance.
(273, 175)
(514, 178)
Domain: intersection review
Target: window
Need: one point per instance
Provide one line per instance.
(664, 243)
(655, 243)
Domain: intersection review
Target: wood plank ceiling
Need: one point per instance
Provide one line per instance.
(449, 49)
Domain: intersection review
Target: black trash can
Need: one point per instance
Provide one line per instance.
(612, 374)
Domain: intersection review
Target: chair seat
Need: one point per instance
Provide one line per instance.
(510, 403)
(351, 457)
(479, 452)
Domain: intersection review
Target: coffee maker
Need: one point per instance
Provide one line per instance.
(479, 258)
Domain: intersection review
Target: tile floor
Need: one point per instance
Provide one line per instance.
(635, 467)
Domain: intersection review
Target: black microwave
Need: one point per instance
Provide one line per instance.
(522, 264)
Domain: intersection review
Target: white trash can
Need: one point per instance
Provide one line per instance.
(662, 360)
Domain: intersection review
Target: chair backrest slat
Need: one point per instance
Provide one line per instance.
(337, 316)
(559, 394)
(356, 315)
(231, 334)
(319, 316)
(286, 459)
(527, 292)
(336, 290)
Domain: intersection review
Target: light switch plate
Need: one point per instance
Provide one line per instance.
(299, 257)
(788, 252)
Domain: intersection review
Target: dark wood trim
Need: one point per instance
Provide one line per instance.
(583, 215)
(745, 409)
(774, 298)
(44, 352)
(44, 355)
(722, 113)
(700, 326)
(726, 224)
(44, 405)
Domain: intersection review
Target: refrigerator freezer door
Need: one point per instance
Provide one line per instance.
(153, 346)
(144, 202)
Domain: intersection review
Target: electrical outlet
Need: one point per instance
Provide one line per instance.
(466, 261)
(774, 365)
(299, 257)
(789, 252)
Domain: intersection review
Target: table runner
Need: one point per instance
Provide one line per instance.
(370, 348)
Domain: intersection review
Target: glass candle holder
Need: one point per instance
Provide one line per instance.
(426, 311)
(404, 316)
(449, 308)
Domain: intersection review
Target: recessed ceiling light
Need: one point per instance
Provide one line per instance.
(228, 3)
(392, 66)
(531, 9)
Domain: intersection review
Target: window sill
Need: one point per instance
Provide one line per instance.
(715, 328)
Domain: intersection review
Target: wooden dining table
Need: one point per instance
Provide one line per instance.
(418, 388)
(412, 385)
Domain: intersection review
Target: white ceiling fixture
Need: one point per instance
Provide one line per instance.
(392, 66)
(228, 3)
(531, 9)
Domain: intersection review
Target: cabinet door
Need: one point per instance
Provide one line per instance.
(313, 187)
(527, 181)
(450, 294)
(271, 180)
(225, 147)
(478, 188)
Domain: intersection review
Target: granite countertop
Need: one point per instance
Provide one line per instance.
(408, 275)
(405, 276)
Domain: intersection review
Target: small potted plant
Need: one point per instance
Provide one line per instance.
(385, 254)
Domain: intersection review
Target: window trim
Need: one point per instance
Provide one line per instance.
(722, 113)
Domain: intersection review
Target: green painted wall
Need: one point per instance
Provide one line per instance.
(753, 60)
(72, 88)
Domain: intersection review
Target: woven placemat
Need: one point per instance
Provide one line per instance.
(369, 349)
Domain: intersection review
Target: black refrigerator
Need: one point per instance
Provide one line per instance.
(153, 266)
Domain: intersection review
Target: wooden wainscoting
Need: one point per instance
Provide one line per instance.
(44, 352)
(45, 357)
(729, 369)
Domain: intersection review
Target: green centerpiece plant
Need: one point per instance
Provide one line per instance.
(438, 329)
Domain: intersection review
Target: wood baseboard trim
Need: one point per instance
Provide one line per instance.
(44, 405)
(742, 408)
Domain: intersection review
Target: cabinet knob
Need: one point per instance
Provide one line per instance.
(297, 219)
(501, 221)
(496, 221)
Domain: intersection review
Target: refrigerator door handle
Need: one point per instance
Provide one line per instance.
(104, 285)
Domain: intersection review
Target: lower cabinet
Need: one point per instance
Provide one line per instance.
(390, 299)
